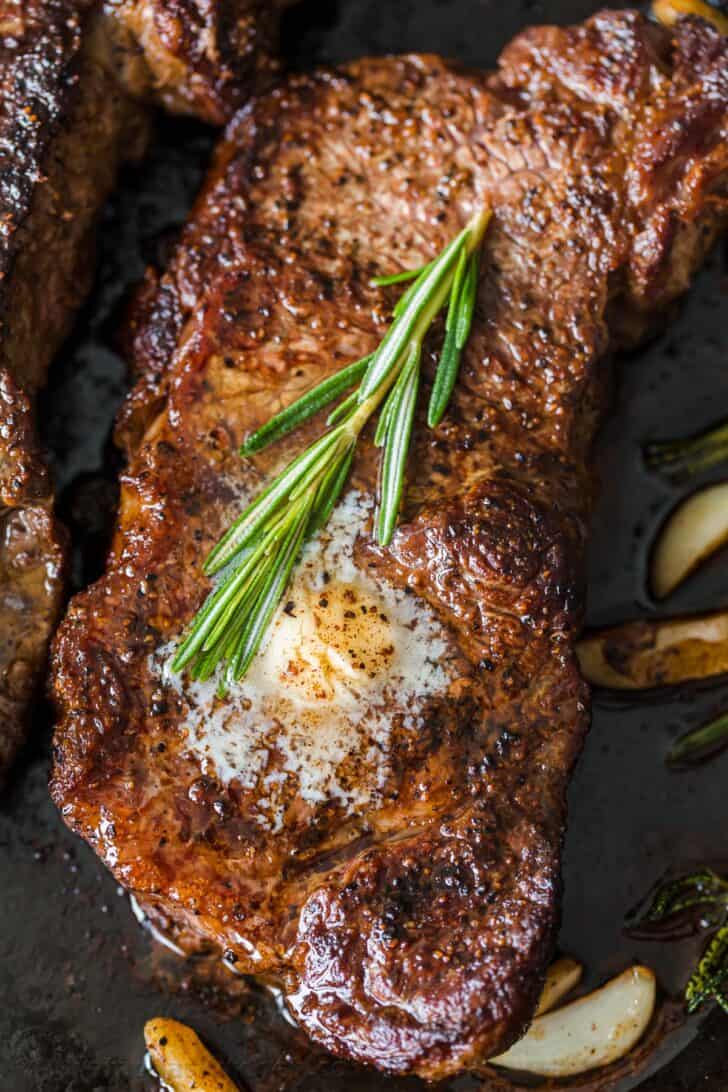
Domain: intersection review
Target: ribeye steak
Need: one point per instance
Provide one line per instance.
(374, 817)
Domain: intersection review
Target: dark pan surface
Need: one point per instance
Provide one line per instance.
(78, 978)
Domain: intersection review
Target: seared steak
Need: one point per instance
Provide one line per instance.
(72, 77)
(374, 817)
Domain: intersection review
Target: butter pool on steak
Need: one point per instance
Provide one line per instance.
(399, 875)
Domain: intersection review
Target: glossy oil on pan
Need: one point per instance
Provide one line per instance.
(78, 977)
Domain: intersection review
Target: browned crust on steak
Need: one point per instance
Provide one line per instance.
(202, 57)
(67, 119)
(413, 933)
(65, 125)
(32, 558)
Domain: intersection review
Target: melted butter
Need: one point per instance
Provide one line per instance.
(344, 659)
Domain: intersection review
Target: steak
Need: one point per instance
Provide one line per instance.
(72, 80)
(201, 57)
(373, 819)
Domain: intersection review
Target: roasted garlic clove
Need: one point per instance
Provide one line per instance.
(561, 978)
(181, 1061)
(588, 1033)
(693, 531)
(647, 654)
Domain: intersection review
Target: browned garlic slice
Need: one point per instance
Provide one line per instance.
(588, 1033)
(694, 530)
(647, 654)
(181, 1061)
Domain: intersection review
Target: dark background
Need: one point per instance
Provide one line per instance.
(78, 978)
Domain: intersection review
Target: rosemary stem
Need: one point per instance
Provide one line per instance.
(371, 404)
(429, 295)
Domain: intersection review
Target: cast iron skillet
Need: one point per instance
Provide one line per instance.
(78, 978)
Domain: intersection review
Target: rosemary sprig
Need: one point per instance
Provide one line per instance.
(256, 555)
(703, 890)
(699, 744)
(685, 458)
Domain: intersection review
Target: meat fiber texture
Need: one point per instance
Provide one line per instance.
(75, 78)
(374, 818)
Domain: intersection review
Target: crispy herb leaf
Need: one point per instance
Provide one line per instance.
(708, 891)
(674, 896)
(709, 982)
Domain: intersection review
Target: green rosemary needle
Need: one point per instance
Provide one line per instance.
(256, 555)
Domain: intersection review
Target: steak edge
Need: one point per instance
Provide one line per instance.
(75, 77)
(65, 125)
